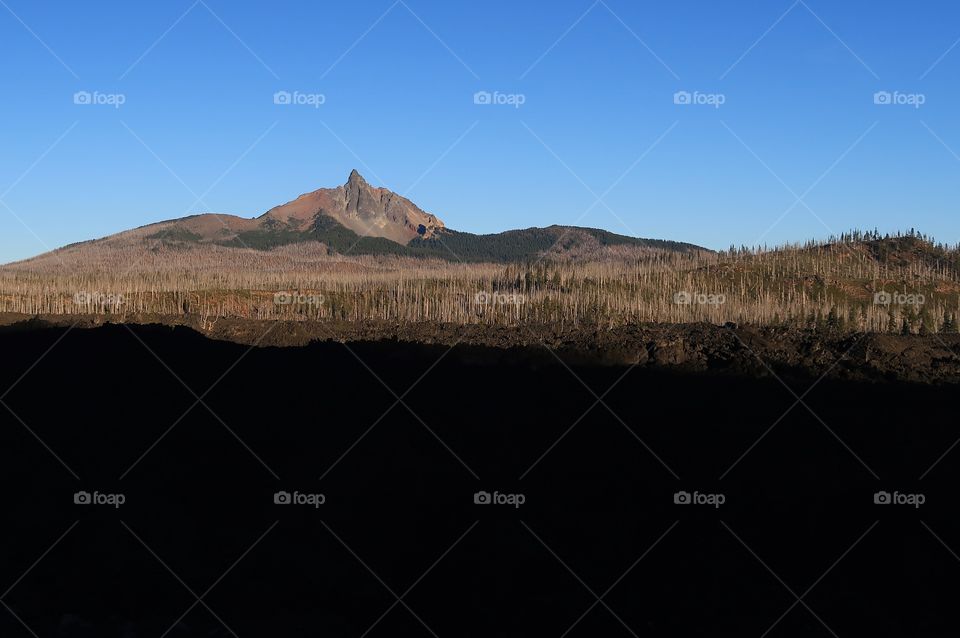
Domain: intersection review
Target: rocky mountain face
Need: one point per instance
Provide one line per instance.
(366, 210)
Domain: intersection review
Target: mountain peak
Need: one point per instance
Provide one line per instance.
(356, 178)
(366, 210)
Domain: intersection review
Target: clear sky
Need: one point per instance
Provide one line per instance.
(782, 138)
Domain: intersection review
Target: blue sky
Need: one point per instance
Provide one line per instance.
(198, 129)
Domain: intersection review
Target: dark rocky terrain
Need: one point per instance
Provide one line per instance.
(741, 350)
(199, 435)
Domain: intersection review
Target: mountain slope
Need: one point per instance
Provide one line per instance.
(514, 245)
(561, 242)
